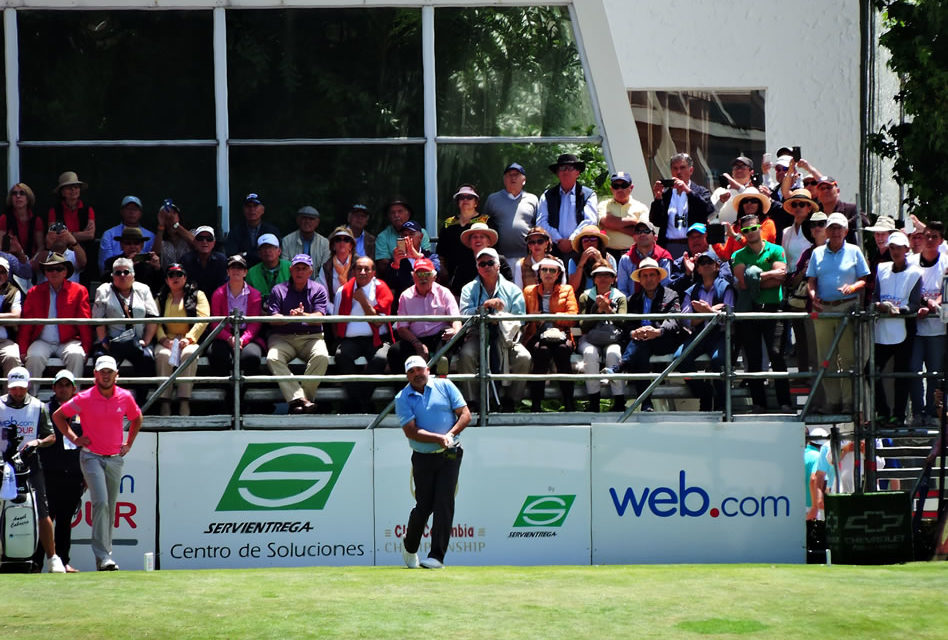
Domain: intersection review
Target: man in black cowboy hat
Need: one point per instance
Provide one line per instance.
(567, 207)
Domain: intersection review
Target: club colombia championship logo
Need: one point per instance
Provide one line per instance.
(285, 475)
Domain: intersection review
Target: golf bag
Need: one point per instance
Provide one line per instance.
(19, 520)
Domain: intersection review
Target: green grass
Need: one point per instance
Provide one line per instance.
(681, 601)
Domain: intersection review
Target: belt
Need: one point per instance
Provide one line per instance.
(836, 303)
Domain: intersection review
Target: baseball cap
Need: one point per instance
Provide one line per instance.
(621, 176)
(488, 251)
(784, 161)
(699, 227)
(827, 180)
(64, 374)
(5, 263)
(704, 257)
(424, 264)
(105, 362)
(308, 211)
(898, 238)
(205, 229)
(413, 226)
(302, 258)
(647, 224)
(252, 198)
(744, 160)
(131, 200)
(238, 260)
(837, 218)
(18, 377)
(414, 361)
(817, 216)
(516, 166)
(268, 238)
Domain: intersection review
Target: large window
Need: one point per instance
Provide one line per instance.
(713, 127)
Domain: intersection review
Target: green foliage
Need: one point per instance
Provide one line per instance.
(915, 37)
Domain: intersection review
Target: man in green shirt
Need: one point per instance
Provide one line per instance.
(760, 268)
(272, 269)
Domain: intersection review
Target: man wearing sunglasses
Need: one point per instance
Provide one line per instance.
(497, 295)
(205, 267)
(60, 298)
(567, 206)
(760, 268)
(619, 214)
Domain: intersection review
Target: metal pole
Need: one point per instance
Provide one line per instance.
(871, 404)
(484, 366)
(235, 320)
(728, 368)
(857, 381)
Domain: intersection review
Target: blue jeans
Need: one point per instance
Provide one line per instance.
(930, 352)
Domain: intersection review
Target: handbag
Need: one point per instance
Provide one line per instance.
(553, 337)
(603, 334)
(798, 298)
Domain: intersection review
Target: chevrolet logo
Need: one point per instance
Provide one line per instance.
(874, 522)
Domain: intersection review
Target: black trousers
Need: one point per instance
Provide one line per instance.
(358, 394)
(63, 497)
(436, 477)
(771, 331)
(402, 349)
(901, 353)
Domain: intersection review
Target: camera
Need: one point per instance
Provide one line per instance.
(57, 227)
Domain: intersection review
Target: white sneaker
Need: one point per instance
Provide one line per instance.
(432, 563)
(411, 559)
(55, 565)
(108, 565)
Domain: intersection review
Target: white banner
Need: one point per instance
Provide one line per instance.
(266, 499)
(522, 497)
(715, 492)
(134, 533)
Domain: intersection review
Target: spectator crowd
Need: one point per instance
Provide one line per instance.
(759, 242)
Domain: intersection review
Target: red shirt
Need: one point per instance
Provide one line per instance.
(102, 418)
(70, 216)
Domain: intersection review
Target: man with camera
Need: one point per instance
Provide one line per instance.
(147, 265)
(678, 204)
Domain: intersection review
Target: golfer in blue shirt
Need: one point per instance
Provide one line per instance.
(432, 413)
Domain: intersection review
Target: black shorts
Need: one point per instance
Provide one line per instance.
(38, 480)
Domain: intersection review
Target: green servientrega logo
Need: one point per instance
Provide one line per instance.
(544, 511)
(285, 475)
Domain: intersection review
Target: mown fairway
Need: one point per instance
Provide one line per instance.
(679, 601)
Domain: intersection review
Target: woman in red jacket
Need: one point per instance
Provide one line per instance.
(550, 341)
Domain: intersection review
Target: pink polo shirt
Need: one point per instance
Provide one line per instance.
(439, 302)
(102, 417)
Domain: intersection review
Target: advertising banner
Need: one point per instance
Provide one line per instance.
(265, 499)
(522, 497)
(134, 533)
(702, 492)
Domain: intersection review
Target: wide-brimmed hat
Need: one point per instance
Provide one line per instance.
(800, 195)
(342, 231)
(589, 231)
(67, 178)
(648, 263)
(752, 192)
(817, 216)
(537, 231)
(603, 268)
(132, 233)
(58, 260)
(478, 227)
(567, 158)
(883, 223)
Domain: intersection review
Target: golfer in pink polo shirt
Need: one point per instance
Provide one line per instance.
(103, 408)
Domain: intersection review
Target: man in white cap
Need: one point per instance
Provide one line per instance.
(897, 292)
(103, 407)
(306, 240)
(836, 275)
(494, 293)
(272, 269)
(205, 267)
(24, 423)
(61, 470)
(432, 413)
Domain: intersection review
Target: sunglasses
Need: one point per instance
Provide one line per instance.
(486, 263)
(18, 193)
(820, 223)
(424, 274)
(620, 185)
(537, 241)
(809, 183)
(204, 239)
(798, 205)
(750, 229)
(54, 269)
(175, 274)
(123, 273)
(549, 270)
(466, 196)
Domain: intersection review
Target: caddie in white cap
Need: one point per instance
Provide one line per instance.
(414, 361)
(24, 423)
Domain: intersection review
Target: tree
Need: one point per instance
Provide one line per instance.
(915, 36)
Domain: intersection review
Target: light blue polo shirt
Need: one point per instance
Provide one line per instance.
(833, 269)
(432, 411)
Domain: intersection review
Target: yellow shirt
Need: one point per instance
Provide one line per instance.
(181, 329)
(631, 211)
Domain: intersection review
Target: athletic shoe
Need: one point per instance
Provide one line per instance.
(108, 565)
(55, 565)
(411, 559)
(432, 563)
(71, 569)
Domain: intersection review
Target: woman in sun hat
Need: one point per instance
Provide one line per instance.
(454, 252)
(539, 245)
(590, 245)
